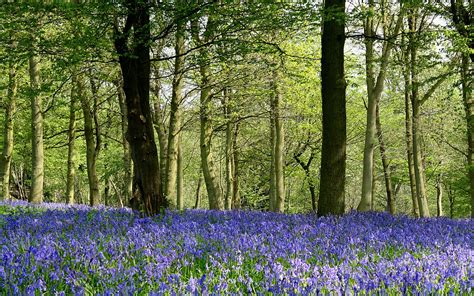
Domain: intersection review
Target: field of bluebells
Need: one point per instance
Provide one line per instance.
(58, 250)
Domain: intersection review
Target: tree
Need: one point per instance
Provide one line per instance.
(37, 178)
(333, 153)
(375, 86)
(133, 49)
(10, 108)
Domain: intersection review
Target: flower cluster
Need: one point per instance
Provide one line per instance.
(81, 250)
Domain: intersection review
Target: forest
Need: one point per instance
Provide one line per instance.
(225, 106)
(236, 147)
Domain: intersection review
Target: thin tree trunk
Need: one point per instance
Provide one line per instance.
(229, 132)
(417, 154)
(198, 192)
(10, 109)
(91, 157)
(272, 190)
(439, 196)
(127, 189)
(279, 148)
(466, 82)
(135, 65)
(71, 172)
(409, 129)
(175, 116)
(180, 181)
(37, 178)
(386, 167)
(333, 153)
(461, 12)
(375, 88)
(236, 203)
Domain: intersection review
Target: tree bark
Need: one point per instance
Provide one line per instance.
(10, 109)
(127, 187)
(409, 128)
(180, 181)
(466, 82)
(92, 142)
(375, 88)
(279, 147)
(272, 189)
(229, 132)
(462, 19)
(333, 153)
(206, 130)
(439, 196)
(133, 48)
(175, 116)
(386, 167)
(198, 192)
(415, 101)
(236, 203)
(71, 172)
(37, 178)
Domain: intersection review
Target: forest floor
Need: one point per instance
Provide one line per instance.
(58, 250)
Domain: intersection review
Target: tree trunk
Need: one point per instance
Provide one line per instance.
(10, 109)
(228, 151)
(439, 196)
(333, 153)
(417, 154)
(127, 188)
(279, 148)
(135, 65)
(92, 145)
(409, 129)
(207, 162)
(466, 82)
(236, 203)
(71, 172)
(175, 116)
(272, 189)
(386, 167)
(37, 178)
(180, 181)
(375, 88)
(462, 19)
(198, 192)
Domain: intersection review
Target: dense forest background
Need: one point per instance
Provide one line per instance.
(234, 94)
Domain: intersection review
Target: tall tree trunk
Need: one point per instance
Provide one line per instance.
(386, 167)
(272, 189)
(207, 162)
(415, 101)
(439, 196)
(180, 181)
(10, 109)
(229, 132)
(198, 192)
(279, 147)
(71, 172)
(37, 178)
(236, 203)
(159, 124)
(466, 82)
(133, 48)
(92, 143)
(462, 19)
(175, 115)
(333, 153)
(127, 189)
(409, 128)
(375, 86)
